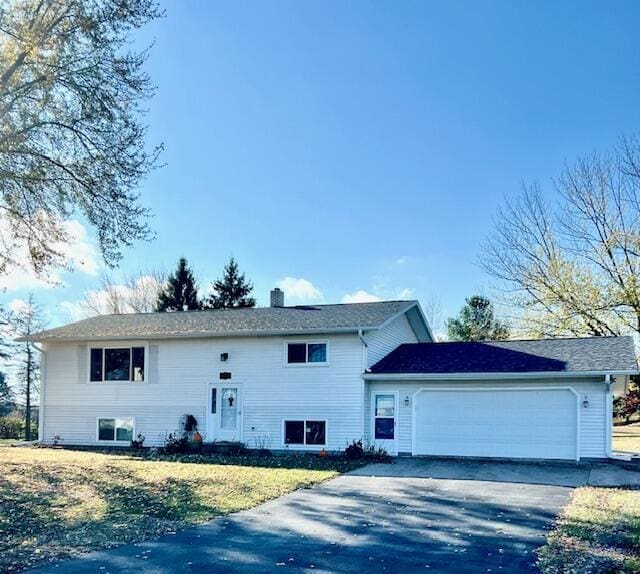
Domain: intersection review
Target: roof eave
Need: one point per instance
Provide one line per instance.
(207, 335)
(410, 306)
(493, 376)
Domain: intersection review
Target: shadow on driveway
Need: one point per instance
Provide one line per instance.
(357, 523)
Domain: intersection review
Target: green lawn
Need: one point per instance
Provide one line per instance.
(627, 438)
(598, 533)
(56, 503)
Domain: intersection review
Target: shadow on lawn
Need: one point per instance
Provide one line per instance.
(303, 461)
(42, 518)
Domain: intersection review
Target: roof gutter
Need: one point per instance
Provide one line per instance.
(490, 376)
(143, 336)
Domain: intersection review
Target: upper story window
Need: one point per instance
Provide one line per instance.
(117, 364)
(306, 353)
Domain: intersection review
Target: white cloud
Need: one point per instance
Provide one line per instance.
(405, 293)
(18, 305)
(78, 251)
(402, 260)
(360, 296)
(299, 290)
(75, 310)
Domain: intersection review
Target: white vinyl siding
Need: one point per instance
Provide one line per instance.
(381, 342)
(180, 373)
(593, 427)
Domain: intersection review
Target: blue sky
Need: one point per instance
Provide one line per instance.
(365, 146)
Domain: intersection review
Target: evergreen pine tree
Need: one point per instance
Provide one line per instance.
(180, 291)
(476, 322)
(231, 290)
(7, 399)
(26, 320)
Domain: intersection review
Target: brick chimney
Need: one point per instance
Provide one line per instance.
(277, 297)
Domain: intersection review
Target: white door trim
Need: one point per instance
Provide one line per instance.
(493, 389)
(375, 392)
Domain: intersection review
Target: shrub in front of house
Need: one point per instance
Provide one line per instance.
(357, 451)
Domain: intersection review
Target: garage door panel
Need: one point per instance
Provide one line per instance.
(496, 423)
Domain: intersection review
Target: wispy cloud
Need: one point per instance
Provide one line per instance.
(360, 296)
(79, 252)
(402, 260)
(299, 290)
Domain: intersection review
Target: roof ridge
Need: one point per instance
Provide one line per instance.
(302, 305)
(532, 340)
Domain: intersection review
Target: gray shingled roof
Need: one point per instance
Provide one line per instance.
(231, 322)
(596, 354)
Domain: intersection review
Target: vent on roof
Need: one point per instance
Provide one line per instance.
(277, 297)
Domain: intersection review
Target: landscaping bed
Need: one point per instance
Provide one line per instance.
(57, 503)
(598, 533)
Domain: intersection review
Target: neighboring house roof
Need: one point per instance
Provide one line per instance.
(581, 355)
(299, 320)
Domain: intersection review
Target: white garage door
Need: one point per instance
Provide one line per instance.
(523, 423)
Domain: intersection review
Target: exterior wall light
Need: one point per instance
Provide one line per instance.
(585, 402)
(406, 401)
(224, 357)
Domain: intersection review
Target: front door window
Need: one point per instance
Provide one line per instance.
(229, 408)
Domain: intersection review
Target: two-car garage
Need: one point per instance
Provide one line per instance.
(533, 399)
(491, 422)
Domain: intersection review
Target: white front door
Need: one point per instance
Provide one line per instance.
(384, 411)
(224, 421)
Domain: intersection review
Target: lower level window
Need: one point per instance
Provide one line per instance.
(116, 430)
(305, 432)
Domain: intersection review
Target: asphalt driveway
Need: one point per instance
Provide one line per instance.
(422, 516)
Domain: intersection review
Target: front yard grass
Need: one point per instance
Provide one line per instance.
(598, 533)
(57, 503)
(626, 438)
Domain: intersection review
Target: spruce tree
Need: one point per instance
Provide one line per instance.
(7, 399)
(477, 322)
(231, 290)
(180, 291)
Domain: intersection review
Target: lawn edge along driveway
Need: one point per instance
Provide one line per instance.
(59, 503)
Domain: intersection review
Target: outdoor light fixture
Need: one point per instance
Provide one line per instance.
(224, 356)
(585, 402)
(406, 401)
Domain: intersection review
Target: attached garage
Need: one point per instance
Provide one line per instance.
(492, 422)
(535, 399)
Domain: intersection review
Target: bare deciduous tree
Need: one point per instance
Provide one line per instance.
(71, 136)
(137, 293)
(572, 269)
(432, 308)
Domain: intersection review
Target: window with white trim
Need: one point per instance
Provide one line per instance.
(384, 415)
(115, 430)
(305, 432)
(314, 353)
(117, 364)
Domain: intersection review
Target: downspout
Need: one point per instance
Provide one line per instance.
(609, 422)
(365, 346)
(43, 377)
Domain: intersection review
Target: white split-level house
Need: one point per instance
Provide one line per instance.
(319, 377)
